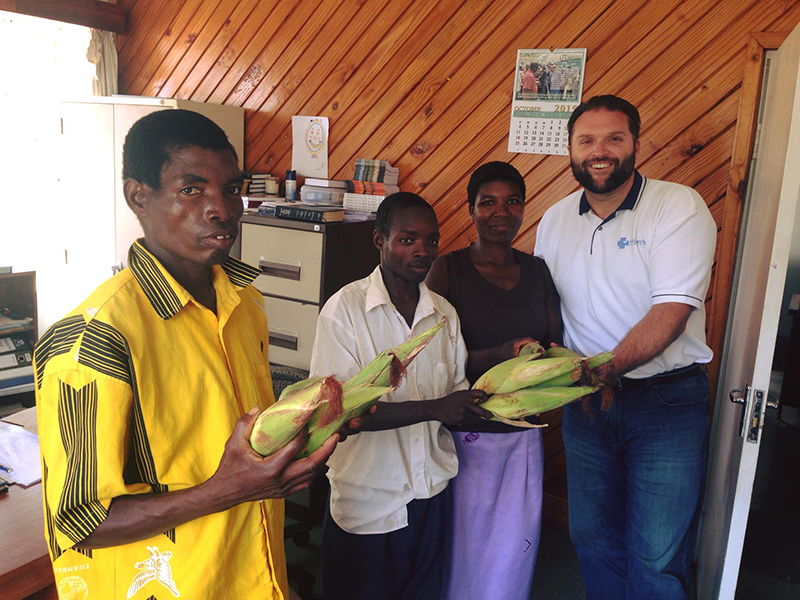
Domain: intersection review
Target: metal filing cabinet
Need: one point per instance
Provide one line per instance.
(302, 265)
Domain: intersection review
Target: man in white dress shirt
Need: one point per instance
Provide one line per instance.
(383, 536)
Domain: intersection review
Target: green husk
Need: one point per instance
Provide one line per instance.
(355, 402)
(281, 422)
(531, 348)
(560, 352)
(535, 372)
(531, 401)
(382, 375)
(388, 368)
(492, 379)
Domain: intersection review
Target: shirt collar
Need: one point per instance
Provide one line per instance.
(629, 203)
(165, 294)
(377, 294)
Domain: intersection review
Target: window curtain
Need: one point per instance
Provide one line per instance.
(103, 54)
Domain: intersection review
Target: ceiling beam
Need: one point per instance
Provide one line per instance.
(90, 13)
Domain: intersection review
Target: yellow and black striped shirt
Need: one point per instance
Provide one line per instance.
(138, 390)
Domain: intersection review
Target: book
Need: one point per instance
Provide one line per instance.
(375, 170)
(12, 360)
(314, 214)
(371, 187)
(374, 162)
(362, 202)
(13, 344)
(331, 183)
(16, 376)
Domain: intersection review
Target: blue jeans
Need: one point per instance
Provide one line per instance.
(635, 478)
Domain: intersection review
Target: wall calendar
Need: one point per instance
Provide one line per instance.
(547, 88)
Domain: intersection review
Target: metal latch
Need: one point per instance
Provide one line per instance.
(753, 417)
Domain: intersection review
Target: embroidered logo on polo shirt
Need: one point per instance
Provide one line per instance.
(625, 242)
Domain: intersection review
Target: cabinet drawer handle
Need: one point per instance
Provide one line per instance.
(280, 269)
(283, 340)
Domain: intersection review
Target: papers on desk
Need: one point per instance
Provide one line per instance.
(8, 323)
(19, 455)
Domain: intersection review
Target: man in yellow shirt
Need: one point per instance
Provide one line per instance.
(147, 493)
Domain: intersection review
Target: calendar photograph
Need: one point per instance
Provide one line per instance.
(547, 88)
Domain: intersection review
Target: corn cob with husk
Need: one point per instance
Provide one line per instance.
(322, 404)
(524, 386)
(581, 374)
(524, 371)
(388, 368)
(277, 426)
(383, 374)
(533, 400)
(531, 348)
(324, 423)
(559, 352)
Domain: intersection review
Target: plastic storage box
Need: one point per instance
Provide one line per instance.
(321, 195)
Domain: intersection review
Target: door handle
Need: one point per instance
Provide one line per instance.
(283, 339)
(738, 397)
(279, 268)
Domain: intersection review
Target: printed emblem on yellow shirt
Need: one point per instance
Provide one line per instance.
(156, 567)
(73, 588)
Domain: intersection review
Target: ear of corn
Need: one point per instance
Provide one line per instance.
(531, 348)
(524, 386)
(322, 404)
(356, 402)
(276, 426)
(560, 352)
(599, 359)
(535, 373)
(530, 401)
(388, 368)
(494, 377)
(566, 379)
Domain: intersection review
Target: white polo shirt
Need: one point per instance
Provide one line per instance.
(375, 474)
(657, 247)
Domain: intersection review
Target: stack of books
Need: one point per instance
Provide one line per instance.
(372, 181)
(301, 211)
(376, 171)
(260, 184)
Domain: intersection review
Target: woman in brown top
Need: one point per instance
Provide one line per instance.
(504, 298)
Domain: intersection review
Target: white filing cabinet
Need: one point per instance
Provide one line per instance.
(302, 265)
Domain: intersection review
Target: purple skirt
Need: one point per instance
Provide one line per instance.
(495, 506)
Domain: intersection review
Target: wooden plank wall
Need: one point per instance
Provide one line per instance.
(426, 85)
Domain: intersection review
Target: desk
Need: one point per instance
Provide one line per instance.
(26, 568)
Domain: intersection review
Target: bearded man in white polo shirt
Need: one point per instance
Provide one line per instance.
(631, 258)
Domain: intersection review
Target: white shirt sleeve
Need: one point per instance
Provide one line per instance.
(460, 381)
(541, 234)
(334, 351)
(683, 248)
